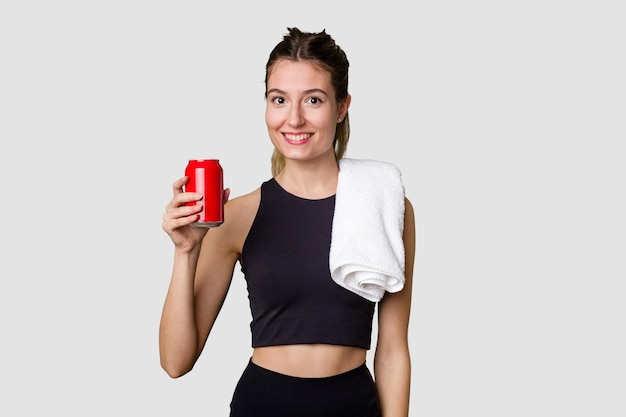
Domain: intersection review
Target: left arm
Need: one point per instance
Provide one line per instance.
(392, 362)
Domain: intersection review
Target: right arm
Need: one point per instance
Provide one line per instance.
(203, 266)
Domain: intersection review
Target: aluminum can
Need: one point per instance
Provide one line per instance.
(207, 178)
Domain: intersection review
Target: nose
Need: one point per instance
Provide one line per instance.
(296, 116)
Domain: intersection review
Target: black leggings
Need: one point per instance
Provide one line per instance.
(264, 393)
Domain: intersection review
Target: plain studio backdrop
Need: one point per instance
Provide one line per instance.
(506, 118)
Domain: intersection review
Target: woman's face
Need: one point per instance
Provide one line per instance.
(301, 112)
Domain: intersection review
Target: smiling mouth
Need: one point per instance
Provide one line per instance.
(297, 138)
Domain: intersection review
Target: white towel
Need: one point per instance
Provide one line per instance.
(367, 250)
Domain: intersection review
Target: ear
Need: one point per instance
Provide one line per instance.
(343, 107)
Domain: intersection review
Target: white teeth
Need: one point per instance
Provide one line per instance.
(297, 138)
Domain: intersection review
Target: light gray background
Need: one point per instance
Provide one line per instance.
(507, 119)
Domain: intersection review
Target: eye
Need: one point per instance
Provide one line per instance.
(278, 100)
(314, 100)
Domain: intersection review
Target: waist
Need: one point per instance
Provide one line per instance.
(310, 360)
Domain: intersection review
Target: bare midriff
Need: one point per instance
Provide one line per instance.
(309, 361)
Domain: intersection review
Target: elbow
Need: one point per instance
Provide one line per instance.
(173, 373)
(176, 360)
(174, 369)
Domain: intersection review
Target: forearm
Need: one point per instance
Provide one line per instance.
(178, 331)
(393, 376)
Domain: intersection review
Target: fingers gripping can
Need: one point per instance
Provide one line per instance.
(207, 178)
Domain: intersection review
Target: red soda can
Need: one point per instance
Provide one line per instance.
(207, 178)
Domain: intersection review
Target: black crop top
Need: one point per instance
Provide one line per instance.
(293, 298)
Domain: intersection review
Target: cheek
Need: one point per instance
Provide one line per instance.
(317, 118)
(273, 118)
(326, 122)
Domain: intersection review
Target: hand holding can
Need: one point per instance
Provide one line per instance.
(206, 177)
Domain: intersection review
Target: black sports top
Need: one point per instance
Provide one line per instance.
(293, 298)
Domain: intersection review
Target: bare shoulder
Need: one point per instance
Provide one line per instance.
(239, 213)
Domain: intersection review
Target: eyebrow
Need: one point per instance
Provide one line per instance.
(311, 91)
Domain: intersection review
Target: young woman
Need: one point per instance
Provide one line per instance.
(310, 336)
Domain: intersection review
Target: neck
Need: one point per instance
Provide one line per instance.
(310, 180)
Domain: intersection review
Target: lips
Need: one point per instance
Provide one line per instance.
(297, 138)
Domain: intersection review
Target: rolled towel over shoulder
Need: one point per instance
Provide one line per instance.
(367, 250)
